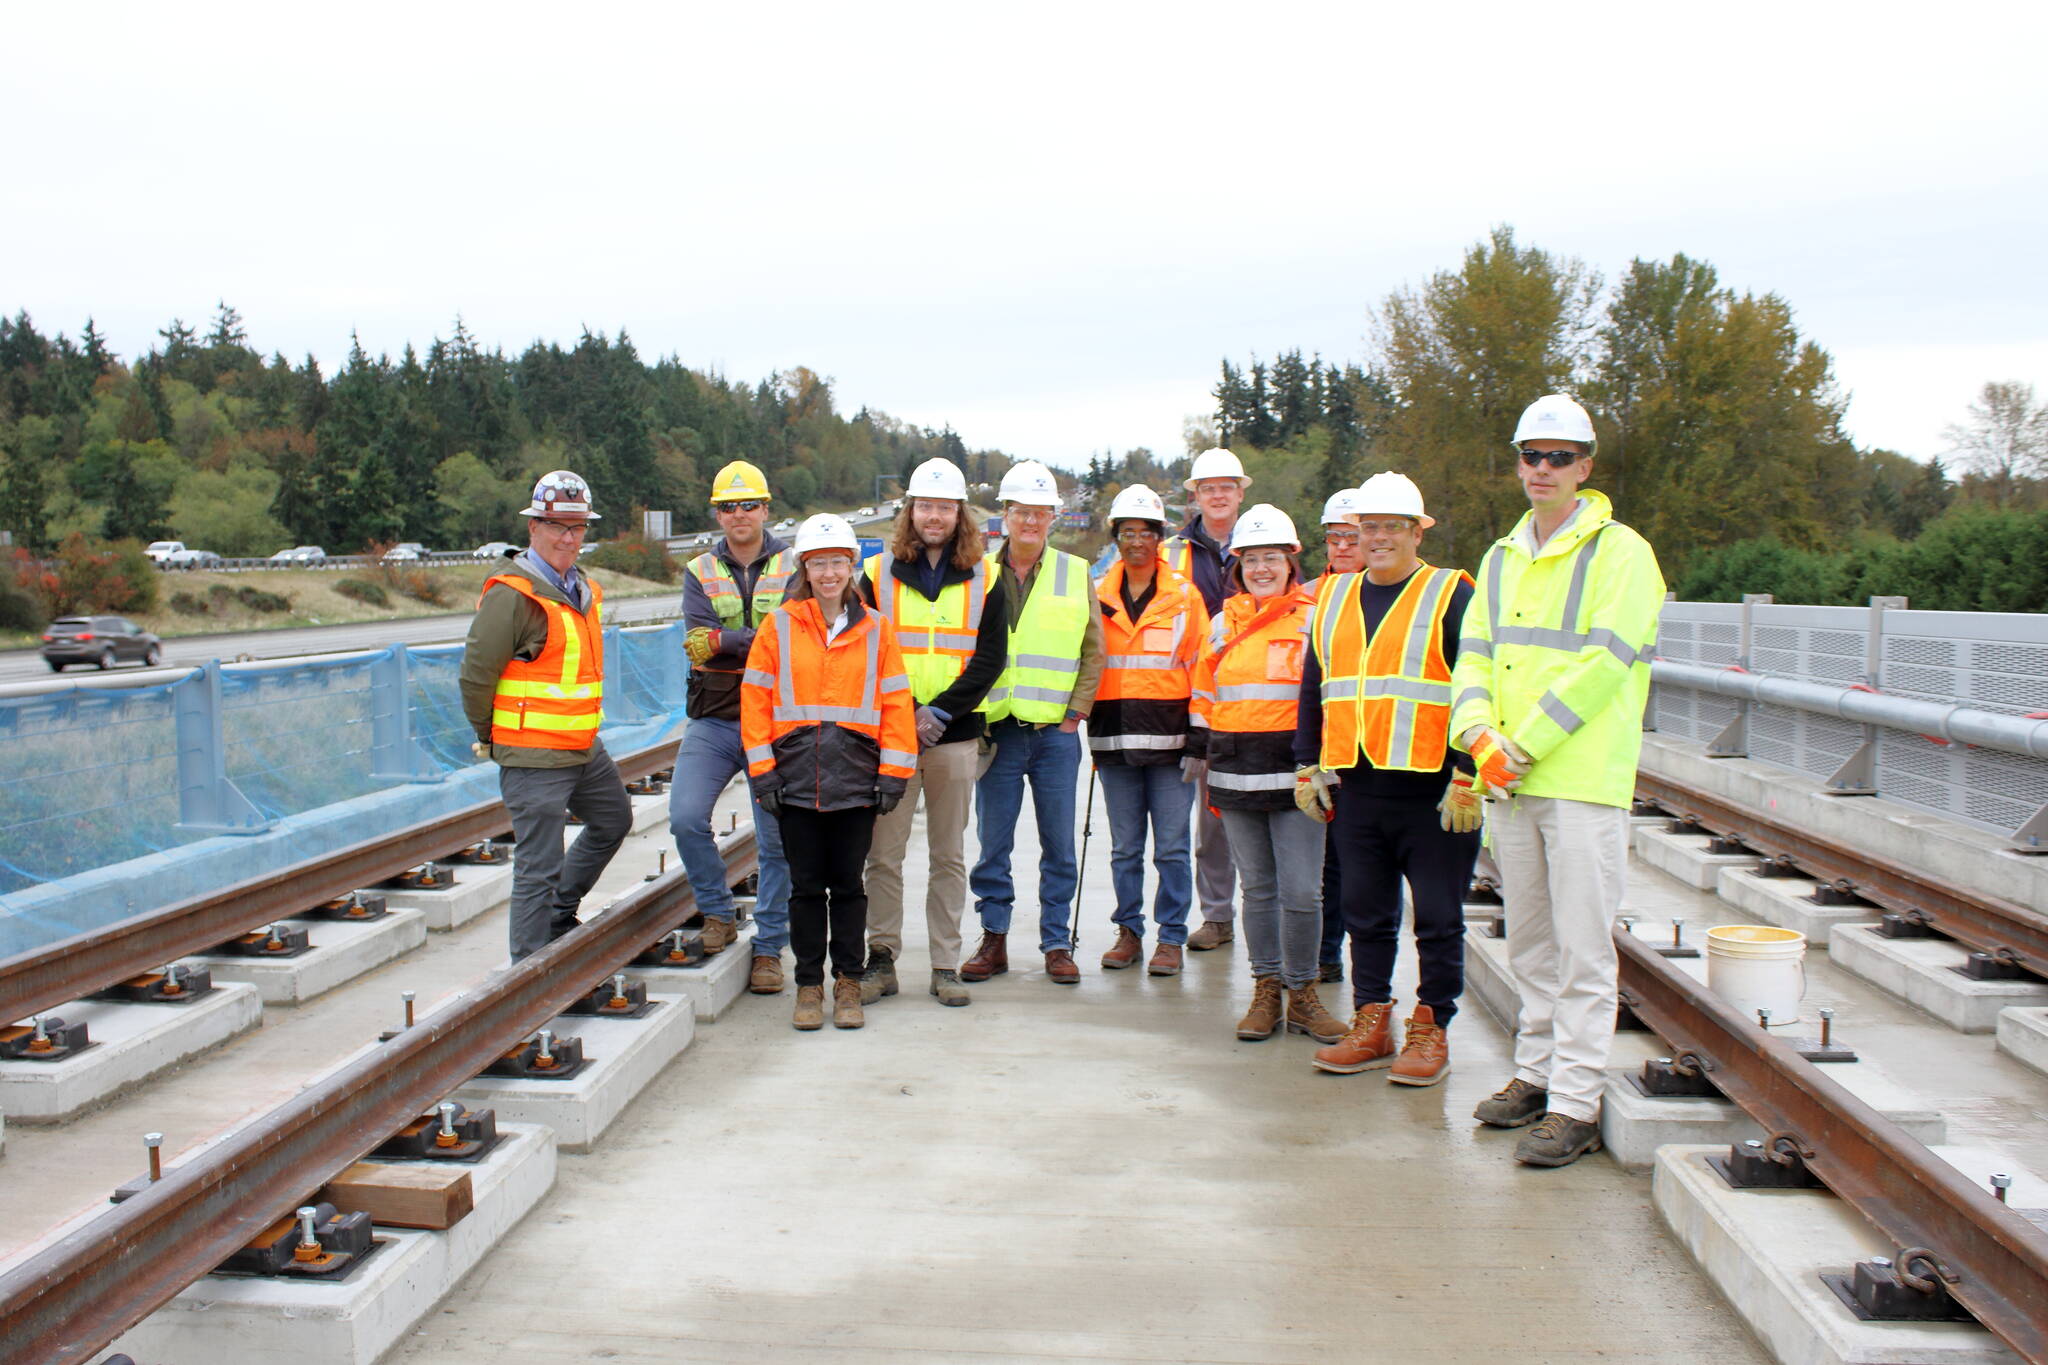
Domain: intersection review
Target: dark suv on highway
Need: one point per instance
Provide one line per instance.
(101, 640)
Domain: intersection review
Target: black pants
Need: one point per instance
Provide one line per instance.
(1332, 953)
(1383, 842)
(827, 852)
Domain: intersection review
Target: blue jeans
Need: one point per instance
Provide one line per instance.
(1157, 793)
(709, 756)
(1051, 760)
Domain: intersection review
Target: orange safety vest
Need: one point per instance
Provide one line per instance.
(1152, 657)
(1387, 697)
(556, 699)
(795, 677)
(1249, 676)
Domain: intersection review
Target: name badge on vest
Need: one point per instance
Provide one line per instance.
(1156, 639)
(1283, 660)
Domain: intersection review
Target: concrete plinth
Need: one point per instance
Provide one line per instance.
(2023, 1036)
(357, 1320)
(1784, 901)
(1488, 979)
(340, 952)
(712, 985)
(476, 891)
(1685, 856)
(132, 1043)
(1766, 1251)
(625, 1055)
(1917, 971)
(650, 812)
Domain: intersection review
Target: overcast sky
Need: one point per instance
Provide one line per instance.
(1042, 224)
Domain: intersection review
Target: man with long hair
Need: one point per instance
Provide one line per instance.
(933, 586)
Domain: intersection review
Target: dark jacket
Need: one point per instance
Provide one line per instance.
(991, 643)
(714, 686)
(1208, 562)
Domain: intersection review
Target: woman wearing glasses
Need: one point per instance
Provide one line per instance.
(1153, 625)
(1247, 686)
(831, 742)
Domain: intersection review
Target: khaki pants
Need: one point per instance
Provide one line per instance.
(1562, 865)
(945, 774)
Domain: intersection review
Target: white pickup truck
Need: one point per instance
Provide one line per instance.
(172, 554)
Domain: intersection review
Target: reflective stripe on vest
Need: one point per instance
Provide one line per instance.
(1045, 646)
(787, 712)
(556, 699)
(936, 635)
(723, 590)
(1387, 697)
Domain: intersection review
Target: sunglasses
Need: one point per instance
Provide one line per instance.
(1558, 458)
(748, 506)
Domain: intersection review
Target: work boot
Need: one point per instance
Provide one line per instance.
(880, 977)
(1061, 967)
(1214, 933)
(1264, 1016)
(766, 976)
(1516, 1104)
(1305, 1014)
(1331, 972)
(810, 1008)
(846, 1011)
(946, 985)
(1425, 1052)
(1557, 1141)
(1125, 952)
(992, 958)
(718, 935)
(1367, 1047)
(1165, 960)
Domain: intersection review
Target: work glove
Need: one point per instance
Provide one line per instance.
(1502, 764)
(931, 725)
(1193, 769)
(1315, 791)
(1460, 810)
(482, 750)
(887, 801)
(771, 801)
(701, 643)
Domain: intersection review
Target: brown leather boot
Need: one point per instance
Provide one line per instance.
(1211, 933)
(1368, 1046)
(1305, 1014)
(718, 935)
(765, 976)
(1061, 968)
(992, 958)
(810, 1008)
(1126, 951)
(1166, 959)
(1264, 1016)
(1425, 1052)
(846, 1011)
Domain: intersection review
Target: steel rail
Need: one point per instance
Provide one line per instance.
(1912, 1196)
(1985, 923)
(43, 978)
(69, 1302)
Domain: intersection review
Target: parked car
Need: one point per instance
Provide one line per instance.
(786, 524)
(172, 554)
(101, 640)
(300, 554)
(494, 549)
(405, 550)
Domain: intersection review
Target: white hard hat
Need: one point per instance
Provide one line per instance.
(1264, 525)
(1030, 483)
(1557, 418)
(1395, 494)
(826, 531)
(937, 478)
(561, 495)
(1216, 464)
(1342, 506)
(1137, 501)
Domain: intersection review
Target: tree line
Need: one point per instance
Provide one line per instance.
(204, 440)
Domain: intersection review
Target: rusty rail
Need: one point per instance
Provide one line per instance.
(43, 978)
(66, 1304)
(1907, 1192)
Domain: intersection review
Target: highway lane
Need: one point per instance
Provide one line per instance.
(26, 665)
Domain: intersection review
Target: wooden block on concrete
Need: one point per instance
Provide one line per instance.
(409, 1194)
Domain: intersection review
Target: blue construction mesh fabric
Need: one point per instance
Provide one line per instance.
(300, 736)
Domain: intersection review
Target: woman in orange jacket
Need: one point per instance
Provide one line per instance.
(1247, 687)
(831, 741)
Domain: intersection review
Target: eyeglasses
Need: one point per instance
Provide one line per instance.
(1384, 528)
(751, 505)
(1137, 533)
(829, 563)
(1340, 537)
(1029, 514)
(1558, 458)
(566, 529)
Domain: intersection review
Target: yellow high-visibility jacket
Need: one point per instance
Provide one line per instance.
(1556, 648)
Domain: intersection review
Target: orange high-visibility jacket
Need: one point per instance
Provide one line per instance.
(1141, 708)
(1247, 690)
(1388, 697)
(829, 724)
(556, 699)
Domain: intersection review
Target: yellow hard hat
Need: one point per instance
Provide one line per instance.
(739, 482)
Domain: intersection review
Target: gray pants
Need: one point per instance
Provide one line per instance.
(548, 885)
(1215, 878)
(1279, 856)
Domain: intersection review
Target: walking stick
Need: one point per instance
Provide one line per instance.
(1087, 828)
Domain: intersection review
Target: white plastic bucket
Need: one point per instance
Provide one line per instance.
(1758, 967)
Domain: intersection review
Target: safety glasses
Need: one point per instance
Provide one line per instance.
(1557, 459)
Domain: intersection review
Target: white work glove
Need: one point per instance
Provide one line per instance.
(1315, 791)
(481, 750)
(1193, 769)
(1460, 812)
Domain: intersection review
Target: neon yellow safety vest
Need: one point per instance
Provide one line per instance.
(936, 637)
(1045, 645)
(724, 590)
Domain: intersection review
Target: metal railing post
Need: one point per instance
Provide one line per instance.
(1858, 774)
(1733, 741)
(208, 803)
(396, 755)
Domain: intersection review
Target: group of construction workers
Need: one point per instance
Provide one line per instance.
(1318, 745)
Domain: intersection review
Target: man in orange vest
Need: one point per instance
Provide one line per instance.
(1375, 718)
(533, 690)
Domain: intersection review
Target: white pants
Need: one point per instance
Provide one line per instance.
(1562, 864)
(945, 777)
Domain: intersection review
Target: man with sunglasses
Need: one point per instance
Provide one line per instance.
(1552, 676)
(533, 689)
(727, 592)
